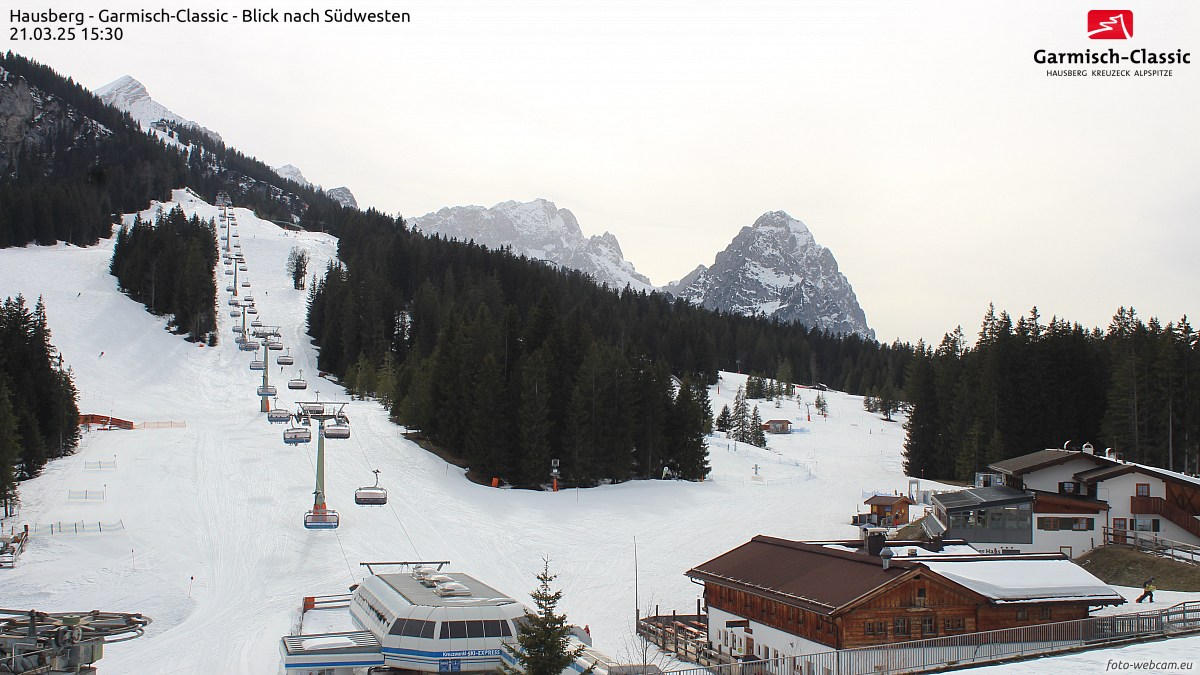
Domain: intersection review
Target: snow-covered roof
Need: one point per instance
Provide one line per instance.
(902, 551)
(1016, 580)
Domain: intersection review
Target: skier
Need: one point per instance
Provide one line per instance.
(1147, 590)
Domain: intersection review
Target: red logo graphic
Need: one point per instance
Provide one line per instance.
(1110, 24)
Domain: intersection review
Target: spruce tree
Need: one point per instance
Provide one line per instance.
(543, 635)
(739, 425)
(757, 435)
(724, 419)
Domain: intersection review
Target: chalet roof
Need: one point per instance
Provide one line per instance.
(807, 575)
(1121, 468)
(1041, 497)
(784, 421)
(975, 498)
(888, 500)
(1018, 466)
(1017, 580)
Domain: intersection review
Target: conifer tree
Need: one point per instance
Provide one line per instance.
(739, 427)
(724, 419)
(543, 635)
(757, 435)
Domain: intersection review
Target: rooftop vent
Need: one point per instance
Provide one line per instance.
(1088, 449)
(432, 580)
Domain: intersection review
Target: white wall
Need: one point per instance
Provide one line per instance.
(1080, 541)
(1048, 478)
(764, 636)
(1121, 488)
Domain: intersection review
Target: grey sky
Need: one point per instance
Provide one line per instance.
(917, 140)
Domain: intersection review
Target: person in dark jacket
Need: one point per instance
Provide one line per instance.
(1147, 590)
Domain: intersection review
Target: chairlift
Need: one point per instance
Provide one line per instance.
(339, 429)
(237, 245)
(296, 435)
(298, 382)
(235, 313)
(224, 238)
(313, 408)
(321, 520)
(256, 323)
(234, 235)
(266, 390)
(243, 268)
(278, 415)
(234, 302)
(252, 310)
(229, 289)
(258, 364)
(285, 359)
(275, 346)
(229, 272)
(245, 284)
(238, 330)
(371, 495)
(248, 346)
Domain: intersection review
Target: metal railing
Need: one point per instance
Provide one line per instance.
(1151, 541)
(919, 656)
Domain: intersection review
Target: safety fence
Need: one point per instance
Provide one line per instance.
(104, 422)
(76, 527)
(87, 495)
(160, 425)
(919, 656)
(102, 465)
(12, 545)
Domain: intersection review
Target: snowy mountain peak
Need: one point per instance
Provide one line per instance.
(292, 173)
(127, 94)
(775, 267)
(540, 230)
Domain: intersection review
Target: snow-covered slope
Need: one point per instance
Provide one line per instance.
(126, 93)
(540, 230)
(211, 544)
(775, 267)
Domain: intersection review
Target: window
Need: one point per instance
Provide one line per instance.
(412, 628)
(875, 628)
(458, 629)
(920, 597)
(1083, 524)
(1047, 613)
(1022, 614)
(928, 626)
(474, 629)
(1051, 523)
(1048, 523)
(1143, 489)
(951, 625)
(900, 627)
(1144, 524)
(1068, 488)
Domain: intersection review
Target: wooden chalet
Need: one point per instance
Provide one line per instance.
(890, 510)
(774, 597)
(777, 426)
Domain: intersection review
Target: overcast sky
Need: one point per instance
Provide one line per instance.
(919, 141)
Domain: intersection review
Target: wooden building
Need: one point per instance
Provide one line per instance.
(774, 597)
(889, 510)
(777, 426)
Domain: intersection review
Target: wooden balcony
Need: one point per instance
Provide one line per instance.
(1161, 507)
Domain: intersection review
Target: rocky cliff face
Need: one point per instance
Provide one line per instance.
(540, 230)
(775, 268)
(31, 119)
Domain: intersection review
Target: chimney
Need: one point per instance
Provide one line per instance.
(875, 542)
(886, 556)
(935, 543)
(1088, 449)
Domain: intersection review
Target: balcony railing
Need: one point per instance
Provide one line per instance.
(1161, 507)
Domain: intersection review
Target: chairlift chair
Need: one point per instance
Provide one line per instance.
(235, 235)
(275, 346)
(229, 289)
(278, 415)
(258, 364)
(321, 520)
(298, 382)
(234, 302)
(296, 435)
(285, 359)
(266, 390)
(248, 346)
(238, 330)
(371, 495)
(243, 268)
(339, 429)
(236, 245)
(252, 310)
(235, 313)
(229, 272)
(256, 324)
(245, 284)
